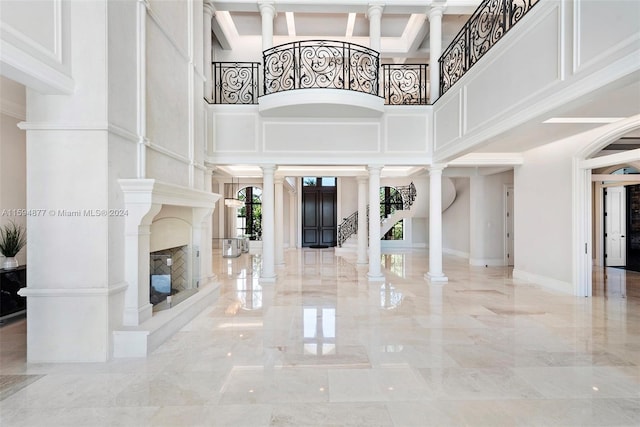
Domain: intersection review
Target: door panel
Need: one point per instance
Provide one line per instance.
(319, 216)
(615, 226)
(510, 238)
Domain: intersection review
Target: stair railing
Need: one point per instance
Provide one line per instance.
(349, 225)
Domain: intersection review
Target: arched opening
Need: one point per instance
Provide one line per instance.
(590, 158)
(249, 216)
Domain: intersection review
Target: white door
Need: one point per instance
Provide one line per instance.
(615, 221)
(509, 226)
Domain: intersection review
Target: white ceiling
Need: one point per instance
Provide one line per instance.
(404, 24)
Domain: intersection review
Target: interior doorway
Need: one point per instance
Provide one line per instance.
(615, 220)
(508, 226)
(319, 212)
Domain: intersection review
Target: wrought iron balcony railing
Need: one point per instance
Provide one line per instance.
(235, 82)
(490, 21)
(405, 84)
(321, 64)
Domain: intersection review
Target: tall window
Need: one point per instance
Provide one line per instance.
(249, 221)
(391, 201)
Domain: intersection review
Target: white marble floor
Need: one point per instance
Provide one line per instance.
(324, 347)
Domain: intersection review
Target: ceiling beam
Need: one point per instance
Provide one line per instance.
(454, 7)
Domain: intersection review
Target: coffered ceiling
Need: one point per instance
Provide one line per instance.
(404, 24)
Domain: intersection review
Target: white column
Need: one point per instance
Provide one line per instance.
(435, 273)
(362, 220)
(435, 50)
(374, 224)
(268, 224)
(293, 200)
(374, 13)
(207, 16)
(279, 221)
(268, 12)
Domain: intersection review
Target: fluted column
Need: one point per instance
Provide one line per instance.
(279, 221)
(362, 220)
(268, 225)
(374, 13)
(374, 224)
(435, 273)
(268, 12)
(435, 50)
(209, 11)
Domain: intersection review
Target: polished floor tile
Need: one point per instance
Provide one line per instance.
(323, 346)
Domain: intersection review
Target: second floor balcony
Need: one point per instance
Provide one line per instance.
(323, 67)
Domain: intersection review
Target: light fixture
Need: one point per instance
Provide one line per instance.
(233, 202)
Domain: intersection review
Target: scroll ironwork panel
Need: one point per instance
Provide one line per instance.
(405, 84)
(235, 82)
(320, 64)
(490, 21)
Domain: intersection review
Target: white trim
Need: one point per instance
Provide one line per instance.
(545, 282)
(64, 126)
(13, 109)
(73, 292)
(156, 192)
(169, 153)
(453, 252)
(31, 72)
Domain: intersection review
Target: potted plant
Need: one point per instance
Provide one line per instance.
(12, 239)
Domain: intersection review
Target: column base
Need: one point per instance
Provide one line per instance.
(375, 277)
(436, 278)
(137, 316)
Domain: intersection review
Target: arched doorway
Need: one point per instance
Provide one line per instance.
(584, 162)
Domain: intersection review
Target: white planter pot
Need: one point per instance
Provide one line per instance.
(10, 262)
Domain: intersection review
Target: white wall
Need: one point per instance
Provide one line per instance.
(455, 221)
(579, 46)
(13, 176)
(543, 202)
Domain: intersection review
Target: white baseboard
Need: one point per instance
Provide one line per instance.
(455, 253)
(544, 281)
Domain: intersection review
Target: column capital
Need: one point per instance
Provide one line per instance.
(436, 10)
(278, 180)
(208, 7)
(375, 10)
(374, 169)
(270, 169)
(437, 168)
(267, 8)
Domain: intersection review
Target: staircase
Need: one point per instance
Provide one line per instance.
(348, 229)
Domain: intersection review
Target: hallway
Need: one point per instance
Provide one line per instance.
(322, 346)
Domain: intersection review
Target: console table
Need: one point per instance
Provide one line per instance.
(12, 304)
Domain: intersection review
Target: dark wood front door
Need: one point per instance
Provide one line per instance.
(319, 222)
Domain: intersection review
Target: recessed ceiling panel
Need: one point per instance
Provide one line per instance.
(393, 25)
(321, 24)
(247, 23)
